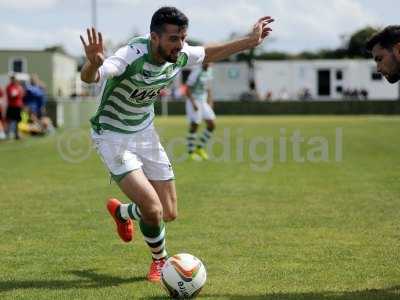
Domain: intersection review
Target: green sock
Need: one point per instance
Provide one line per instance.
(155, 239)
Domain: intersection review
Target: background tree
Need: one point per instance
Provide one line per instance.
(356, 43)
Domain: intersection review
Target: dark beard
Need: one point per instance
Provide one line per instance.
(394, 76)
(164, 55)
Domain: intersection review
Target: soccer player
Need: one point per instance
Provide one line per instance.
(199, 105)
(385, 49)
(122, 129)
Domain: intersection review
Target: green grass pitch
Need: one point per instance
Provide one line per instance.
(267, 224)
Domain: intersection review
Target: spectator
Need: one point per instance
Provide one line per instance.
(2, 115)
(15, 95)
(364, 94)
(35, 121)
(27, 126)
(268, 96)
(346, 94)
(355, 94)
(251, 94)
(283, 94)
(305, 94)
(35, 97)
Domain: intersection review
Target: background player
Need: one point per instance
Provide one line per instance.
(199, 107)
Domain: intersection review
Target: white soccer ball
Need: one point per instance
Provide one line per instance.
(183, 276)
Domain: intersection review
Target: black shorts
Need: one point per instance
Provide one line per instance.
(14, 113)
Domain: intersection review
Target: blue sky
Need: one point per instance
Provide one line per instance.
(300, 24)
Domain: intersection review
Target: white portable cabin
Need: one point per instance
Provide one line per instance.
(324, 79)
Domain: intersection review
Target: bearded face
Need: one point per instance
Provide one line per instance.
(388, 63)
(170, 42)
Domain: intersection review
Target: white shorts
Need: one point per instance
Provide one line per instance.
(123, 153)
(204, 112)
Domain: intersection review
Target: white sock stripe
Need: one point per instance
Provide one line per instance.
(156, 239)
(159, 256)
(138, 211)
(123, 209)
(135, 212)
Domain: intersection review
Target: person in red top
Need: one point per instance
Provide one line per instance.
(2, 115)
(15, 95)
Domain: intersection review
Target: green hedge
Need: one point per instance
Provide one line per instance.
(293, 107)
(78, 113)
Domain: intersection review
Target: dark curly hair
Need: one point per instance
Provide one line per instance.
(167, 15)
(386, 38)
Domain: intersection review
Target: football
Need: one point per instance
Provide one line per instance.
(183, 276)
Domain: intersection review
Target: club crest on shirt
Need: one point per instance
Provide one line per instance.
(169, 70)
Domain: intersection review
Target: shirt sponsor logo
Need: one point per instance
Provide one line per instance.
(144, 96)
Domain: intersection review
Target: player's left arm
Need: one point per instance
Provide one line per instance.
(210, 99)
(221, 51)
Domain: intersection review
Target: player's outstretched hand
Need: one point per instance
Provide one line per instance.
(94, 49)
(261, 29)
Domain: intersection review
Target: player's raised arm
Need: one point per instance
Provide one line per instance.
(260, 31)
(94, 51)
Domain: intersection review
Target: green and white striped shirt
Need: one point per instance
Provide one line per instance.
(130, 83)
(199, 82)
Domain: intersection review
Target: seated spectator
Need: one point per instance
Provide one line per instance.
(364, 94)
(305, 94)
(354, 95)
(47, 125)
(28, 126)
(33, 126)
